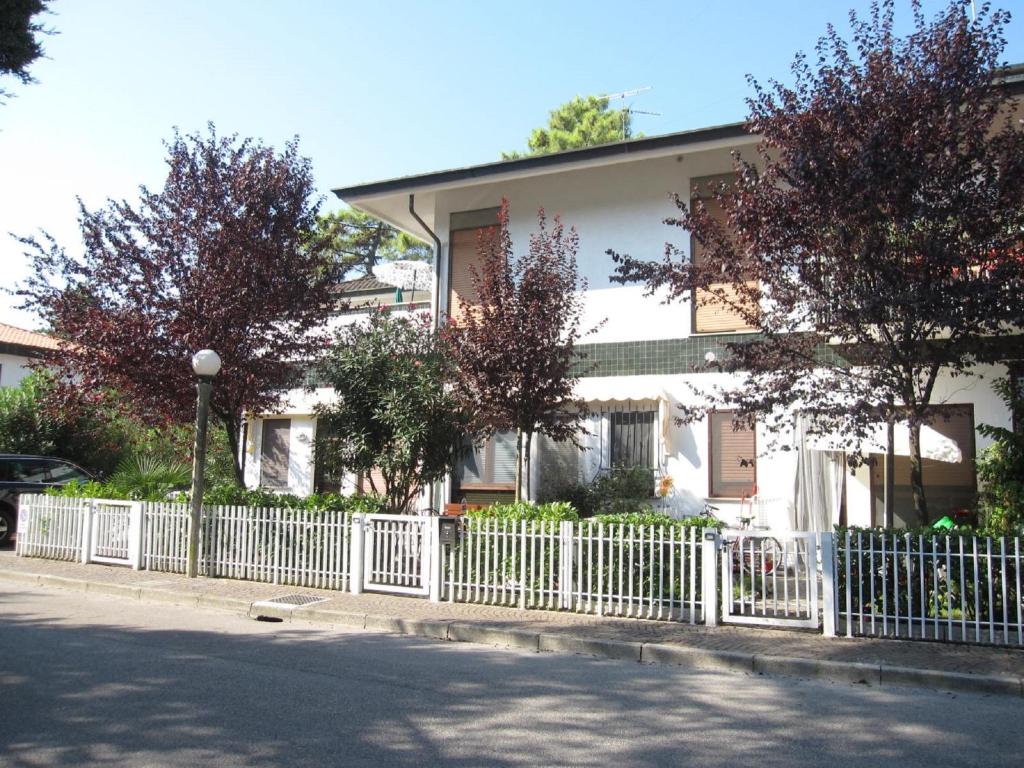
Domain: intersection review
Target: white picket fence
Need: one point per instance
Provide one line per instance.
(952, 588)
(279, 546)
(611, 570)
(949, 588)
(299, 547)
(50, 527)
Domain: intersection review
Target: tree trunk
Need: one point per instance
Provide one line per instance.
(527, 447)
(231, 430)
(916, 475)
(519, 465)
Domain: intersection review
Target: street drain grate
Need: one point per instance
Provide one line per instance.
(294, 601)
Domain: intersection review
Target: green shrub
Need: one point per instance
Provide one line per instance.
(552, 512)
(150, 477)
(90, 490)
(36, 417)
(226, 495)
(1001, 471)
(659, 519)
(881, 581)
(621, 491)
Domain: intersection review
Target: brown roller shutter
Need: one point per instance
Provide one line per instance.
(710, 313)
(733, 471)
(275, 453)
(465, 244)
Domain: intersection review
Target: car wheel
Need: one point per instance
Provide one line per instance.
(7, 527)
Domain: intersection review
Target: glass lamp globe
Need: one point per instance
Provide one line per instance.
(206, 363)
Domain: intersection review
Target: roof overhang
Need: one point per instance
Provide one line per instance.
(389, 199)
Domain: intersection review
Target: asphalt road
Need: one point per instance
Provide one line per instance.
(90, 680)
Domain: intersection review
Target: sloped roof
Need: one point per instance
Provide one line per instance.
(364, 283)
(10, 334)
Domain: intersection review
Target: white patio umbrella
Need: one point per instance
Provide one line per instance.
(934, 444)
(405, 274)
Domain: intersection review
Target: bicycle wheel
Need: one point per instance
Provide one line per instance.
(771, 555)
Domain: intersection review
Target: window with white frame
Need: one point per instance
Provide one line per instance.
(492, 463)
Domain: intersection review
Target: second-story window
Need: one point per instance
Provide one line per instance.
(465, 230)
(715, 310)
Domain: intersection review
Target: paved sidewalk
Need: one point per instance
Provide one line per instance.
(739, 649)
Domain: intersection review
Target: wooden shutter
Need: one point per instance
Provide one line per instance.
(275, 453)
(464, 254)
(710, 313)
(732, 457)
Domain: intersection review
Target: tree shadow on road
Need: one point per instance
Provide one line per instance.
(109, 691)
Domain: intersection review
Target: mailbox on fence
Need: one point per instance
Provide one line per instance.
(449, 531)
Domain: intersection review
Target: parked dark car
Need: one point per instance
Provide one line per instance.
(30, 474)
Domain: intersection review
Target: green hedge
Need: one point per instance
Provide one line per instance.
(230, 495)
(884, 579)
(659, 519)
(552, 512)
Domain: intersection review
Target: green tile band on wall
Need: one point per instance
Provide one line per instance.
(665, 356)
(654, 356)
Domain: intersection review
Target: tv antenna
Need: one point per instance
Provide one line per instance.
(628, 110)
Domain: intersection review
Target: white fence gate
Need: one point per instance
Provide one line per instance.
(115, 532)
(395, 552)
(770, 578)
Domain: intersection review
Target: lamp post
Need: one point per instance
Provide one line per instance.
(206, 364)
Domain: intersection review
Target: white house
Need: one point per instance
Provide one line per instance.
(617, 195)
(18, 348)
(277, 448)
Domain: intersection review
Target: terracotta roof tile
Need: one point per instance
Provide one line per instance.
(10, 334)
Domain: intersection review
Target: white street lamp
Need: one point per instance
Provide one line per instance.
(206, 364)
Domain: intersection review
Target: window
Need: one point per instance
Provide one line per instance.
(466, 228)
(32, 471)
(632, 439)
(712, 314)
(325, 480)
(65, 473)
(732, 452)
(947, 487)
(275, 453)
(491, 464)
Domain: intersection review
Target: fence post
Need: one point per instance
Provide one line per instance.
(355, 560)
(87, 523)
(828, 585)
(565, 556)
(434, 573)
(135, 535)
(24, 504)
(709, 577)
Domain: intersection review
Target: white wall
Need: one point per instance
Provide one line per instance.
(13, 368)
(619, 207)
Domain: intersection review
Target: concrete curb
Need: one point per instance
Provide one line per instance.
(606, 649)
(488, 634)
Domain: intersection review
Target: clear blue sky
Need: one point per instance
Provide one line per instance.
(373, 89)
